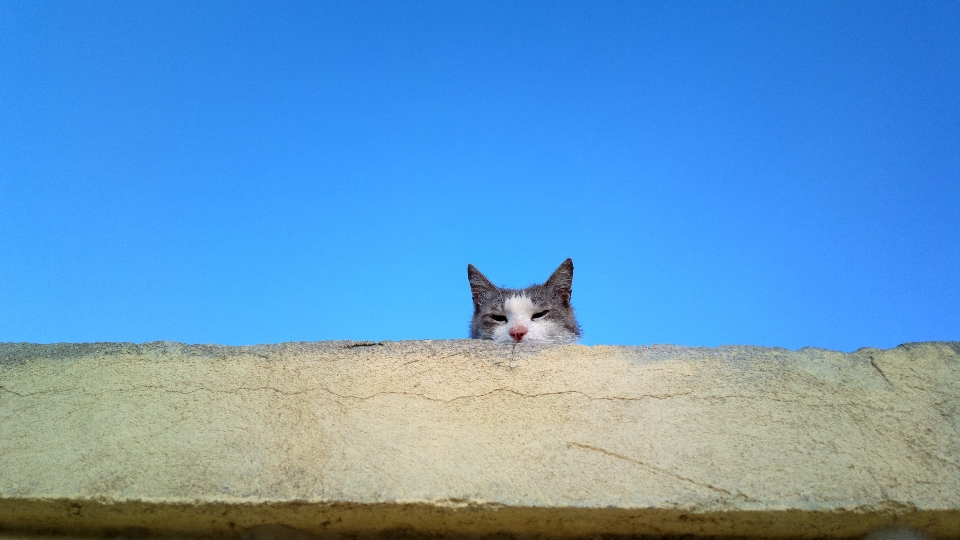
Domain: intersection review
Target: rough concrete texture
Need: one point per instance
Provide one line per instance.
(472, 438)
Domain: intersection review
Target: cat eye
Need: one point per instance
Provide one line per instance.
(539, 314)
(498, 318)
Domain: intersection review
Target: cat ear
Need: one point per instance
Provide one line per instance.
(480, 286)
(562, 280)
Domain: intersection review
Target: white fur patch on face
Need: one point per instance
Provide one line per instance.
(519, 311)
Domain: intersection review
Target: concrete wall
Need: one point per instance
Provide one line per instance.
(472, 438)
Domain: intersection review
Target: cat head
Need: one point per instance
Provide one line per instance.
(536, 314)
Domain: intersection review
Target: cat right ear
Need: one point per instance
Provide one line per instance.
(480, 286)
(562, 281)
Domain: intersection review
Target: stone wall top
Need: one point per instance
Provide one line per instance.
(472, 437)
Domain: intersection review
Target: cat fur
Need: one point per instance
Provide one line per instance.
(535, 314)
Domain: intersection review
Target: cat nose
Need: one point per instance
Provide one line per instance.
(517, 333)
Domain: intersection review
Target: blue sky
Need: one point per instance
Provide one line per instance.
(769, 173)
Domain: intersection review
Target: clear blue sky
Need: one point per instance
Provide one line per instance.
(770, 173)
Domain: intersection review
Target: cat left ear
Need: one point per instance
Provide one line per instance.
(562, 280)
(480, 286)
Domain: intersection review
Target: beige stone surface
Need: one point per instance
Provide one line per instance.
(474, 438)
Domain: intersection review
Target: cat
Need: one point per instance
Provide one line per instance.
(536, 314)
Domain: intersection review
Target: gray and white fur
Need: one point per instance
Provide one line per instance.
(536, 314)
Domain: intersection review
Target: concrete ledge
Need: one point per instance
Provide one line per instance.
(470, 438)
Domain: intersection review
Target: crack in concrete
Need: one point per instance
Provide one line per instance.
(499, 390)
(941, 459)
(880, 371)
(802, 402)
(12, 392)
(347, 396)
(356, 344)
(878, 484)
(660, 470)
(441, 400)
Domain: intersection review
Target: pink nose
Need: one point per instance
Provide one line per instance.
(517, 333)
